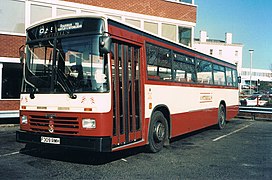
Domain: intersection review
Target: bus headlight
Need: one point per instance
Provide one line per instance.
(89, 123)
(24, 119)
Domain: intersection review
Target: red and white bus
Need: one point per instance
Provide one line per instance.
(96, 83)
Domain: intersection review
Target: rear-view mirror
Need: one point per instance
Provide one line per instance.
(239, 79)
(104, 44)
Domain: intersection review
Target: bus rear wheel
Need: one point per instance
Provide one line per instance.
(158, 132)
(221, 117)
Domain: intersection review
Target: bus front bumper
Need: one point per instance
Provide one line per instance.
(96, 144)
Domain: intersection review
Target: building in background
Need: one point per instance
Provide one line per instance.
(221, 49)
(171, 19)
(260, 75)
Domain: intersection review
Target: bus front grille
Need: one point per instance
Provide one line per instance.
(54, 125)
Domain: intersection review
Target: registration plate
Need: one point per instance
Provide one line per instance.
(50, 140)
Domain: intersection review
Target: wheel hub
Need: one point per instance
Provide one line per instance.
(159, 132)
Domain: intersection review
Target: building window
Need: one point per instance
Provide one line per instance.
(118, 18)
(186, 1)
(11, 85)
(134, 22)
(61, 11)
(236, 53)
(39, 13)
(151, 27)
(220, 52)
(13, 22)
(183, 1)
(211, 51)
(185, 35)
(169, 31)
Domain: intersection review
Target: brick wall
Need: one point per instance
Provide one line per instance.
(6, 105)
(159, 8)
(9, 45)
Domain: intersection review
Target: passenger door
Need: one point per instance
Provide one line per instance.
(126, 94)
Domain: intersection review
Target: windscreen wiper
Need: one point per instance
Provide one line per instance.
(62, 80)
(26, 74)
(34, 89)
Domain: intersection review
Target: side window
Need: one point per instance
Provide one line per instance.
(219, 75)
(183, 68)
(152, 64)
(204, 72)
(164, 64)
(229, 77)
(235, 78)
(158, 62)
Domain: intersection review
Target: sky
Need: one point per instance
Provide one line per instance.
(249, 21)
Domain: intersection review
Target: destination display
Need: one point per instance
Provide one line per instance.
(66, 27)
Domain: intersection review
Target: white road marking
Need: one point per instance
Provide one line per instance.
(9, 154)
(216, 139)
(124, 160)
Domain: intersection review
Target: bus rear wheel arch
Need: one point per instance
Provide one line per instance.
(158, 134)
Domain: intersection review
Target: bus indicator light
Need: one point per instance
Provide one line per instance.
(88, 109)
(150, 105)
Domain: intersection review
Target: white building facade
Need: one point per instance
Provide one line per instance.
(256, 75)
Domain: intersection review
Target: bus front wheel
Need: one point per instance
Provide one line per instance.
(158, 132)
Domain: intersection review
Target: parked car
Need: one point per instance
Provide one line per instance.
(255, 100)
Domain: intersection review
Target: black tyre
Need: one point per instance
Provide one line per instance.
(158, 132)
(221, 117)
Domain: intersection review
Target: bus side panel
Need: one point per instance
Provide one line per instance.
(232, 111)
(190, 121)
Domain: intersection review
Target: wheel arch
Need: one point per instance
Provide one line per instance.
(166, 113)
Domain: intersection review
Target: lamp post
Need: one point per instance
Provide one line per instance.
(251, 53)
